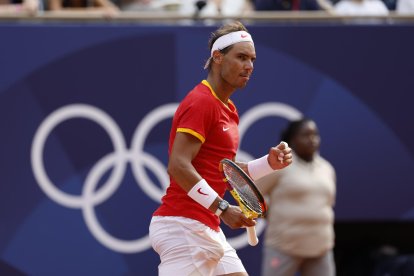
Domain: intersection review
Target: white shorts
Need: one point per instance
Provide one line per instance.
(188, 247)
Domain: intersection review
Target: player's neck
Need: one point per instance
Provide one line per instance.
(222, 91)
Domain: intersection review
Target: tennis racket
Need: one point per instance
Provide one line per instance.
(245, 192)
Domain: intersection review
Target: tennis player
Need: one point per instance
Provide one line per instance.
(185, 229)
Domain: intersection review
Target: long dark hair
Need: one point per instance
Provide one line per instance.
(292, 129)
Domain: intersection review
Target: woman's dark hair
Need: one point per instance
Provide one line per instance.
(292, 129)
(231, 27)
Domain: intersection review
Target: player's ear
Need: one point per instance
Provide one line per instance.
(217, 57)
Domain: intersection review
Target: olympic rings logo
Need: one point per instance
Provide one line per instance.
(120, 157)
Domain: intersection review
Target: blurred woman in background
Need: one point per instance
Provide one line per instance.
(299, 235)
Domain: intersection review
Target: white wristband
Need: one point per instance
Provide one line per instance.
(203, 193)
(259, 167)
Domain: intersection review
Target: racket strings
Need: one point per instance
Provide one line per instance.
(241, 185)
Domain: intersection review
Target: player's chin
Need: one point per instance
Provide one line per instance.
(243, 82)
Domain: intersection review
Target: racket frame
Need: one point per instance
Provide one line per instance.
(246, 209)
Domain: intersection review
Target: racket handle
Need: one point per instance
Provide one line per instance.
(251, 236)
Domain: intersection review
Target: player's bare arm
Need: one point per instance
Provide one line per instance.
(184, 149)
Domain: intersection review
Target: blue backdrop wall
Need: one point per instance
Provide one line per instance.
(85, 112)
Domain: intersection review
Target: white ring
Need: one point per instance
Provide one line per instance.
(55, 118)
(137, 147)
(122, 246)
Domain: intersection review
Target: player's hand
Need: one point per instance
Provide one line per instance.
(234, 218)
(280, 156)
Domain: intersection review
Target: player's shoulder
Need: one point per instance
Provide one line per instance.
(200, 94)
(202, 91)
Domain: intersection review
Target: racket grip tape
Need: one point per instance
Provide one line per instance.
(251, 236)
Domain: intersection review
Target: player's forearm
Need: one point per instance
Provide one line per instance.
(183, 173)
(187, 177)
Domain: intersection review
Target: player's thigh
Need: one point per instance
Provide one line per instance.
(324, 265)
(230, 264)
(277, 263)
(185, 246)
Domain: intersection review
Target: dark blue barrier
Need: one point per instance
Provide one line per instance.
(85, 114)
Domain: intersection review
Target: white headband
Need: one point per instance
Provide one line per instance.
(230, 39)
